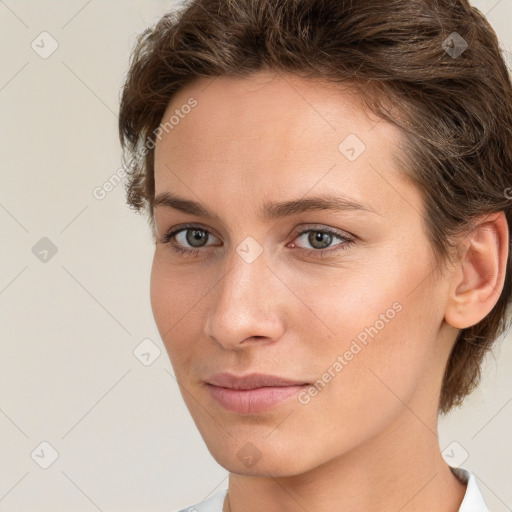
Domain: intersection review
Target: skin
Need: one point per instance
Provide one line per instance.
(367, 441)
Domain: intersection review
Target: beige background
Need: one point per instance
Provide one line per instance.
(69, 376)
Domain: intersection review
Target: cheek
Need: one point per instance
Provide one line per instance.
(160, 296)
(178, 299)
(169, 303)
(174, 294)
(367, 371)
(377, 320)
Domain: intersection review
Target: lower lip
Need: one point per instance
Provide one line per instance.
(250, 401)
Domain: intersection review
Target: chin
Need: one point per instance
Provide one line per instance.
(274, 469)
(259, 458)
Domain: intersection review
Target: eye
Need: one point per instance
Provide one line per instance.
(193, 236)
(321, 239)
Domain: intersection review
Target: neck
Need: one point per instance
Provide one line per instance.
(388, 473)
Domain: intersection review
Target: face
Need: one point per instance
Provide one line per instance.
(339, 297)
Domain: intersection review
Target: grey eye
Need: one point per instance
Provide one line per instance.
(194, 237)
(320, 239)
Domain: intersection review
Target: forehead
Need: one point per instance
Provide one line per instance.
(271, 131)
(267, 97)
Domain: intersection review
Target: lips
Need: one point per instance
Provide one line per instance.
(251, 394)
(251, 381)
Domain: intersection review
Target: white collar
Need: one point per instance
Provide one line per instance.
(473, 500)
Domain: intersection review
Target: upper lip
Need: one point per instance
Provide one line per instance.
(250, 381)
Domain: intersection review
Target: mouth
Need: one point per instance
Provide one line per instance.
(251, 381)
(253, 393)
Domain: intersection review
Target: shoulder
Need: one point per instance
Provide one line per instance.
(212, 504)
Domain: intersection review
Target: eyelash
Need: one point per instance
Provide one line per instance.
(317, 253)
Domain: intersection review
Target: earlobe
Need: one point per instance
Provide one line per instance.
(477, 280)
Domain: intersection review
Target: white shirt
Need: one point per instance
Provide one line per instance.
(473, 500)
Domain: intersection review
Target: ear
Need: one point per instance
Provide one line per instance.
(479, 275)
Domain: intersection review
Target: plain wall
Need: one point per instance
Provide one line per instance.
(70, 324)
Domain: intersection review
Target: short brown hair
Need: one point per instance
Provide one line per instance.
(453, 104)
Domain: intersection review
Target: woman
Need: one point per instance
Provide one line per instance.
(326, 183)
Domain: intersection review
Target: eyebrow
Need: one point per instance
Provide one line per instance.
(271, 210)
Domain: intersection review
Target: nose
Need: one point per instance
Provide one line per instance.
(247, 304)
